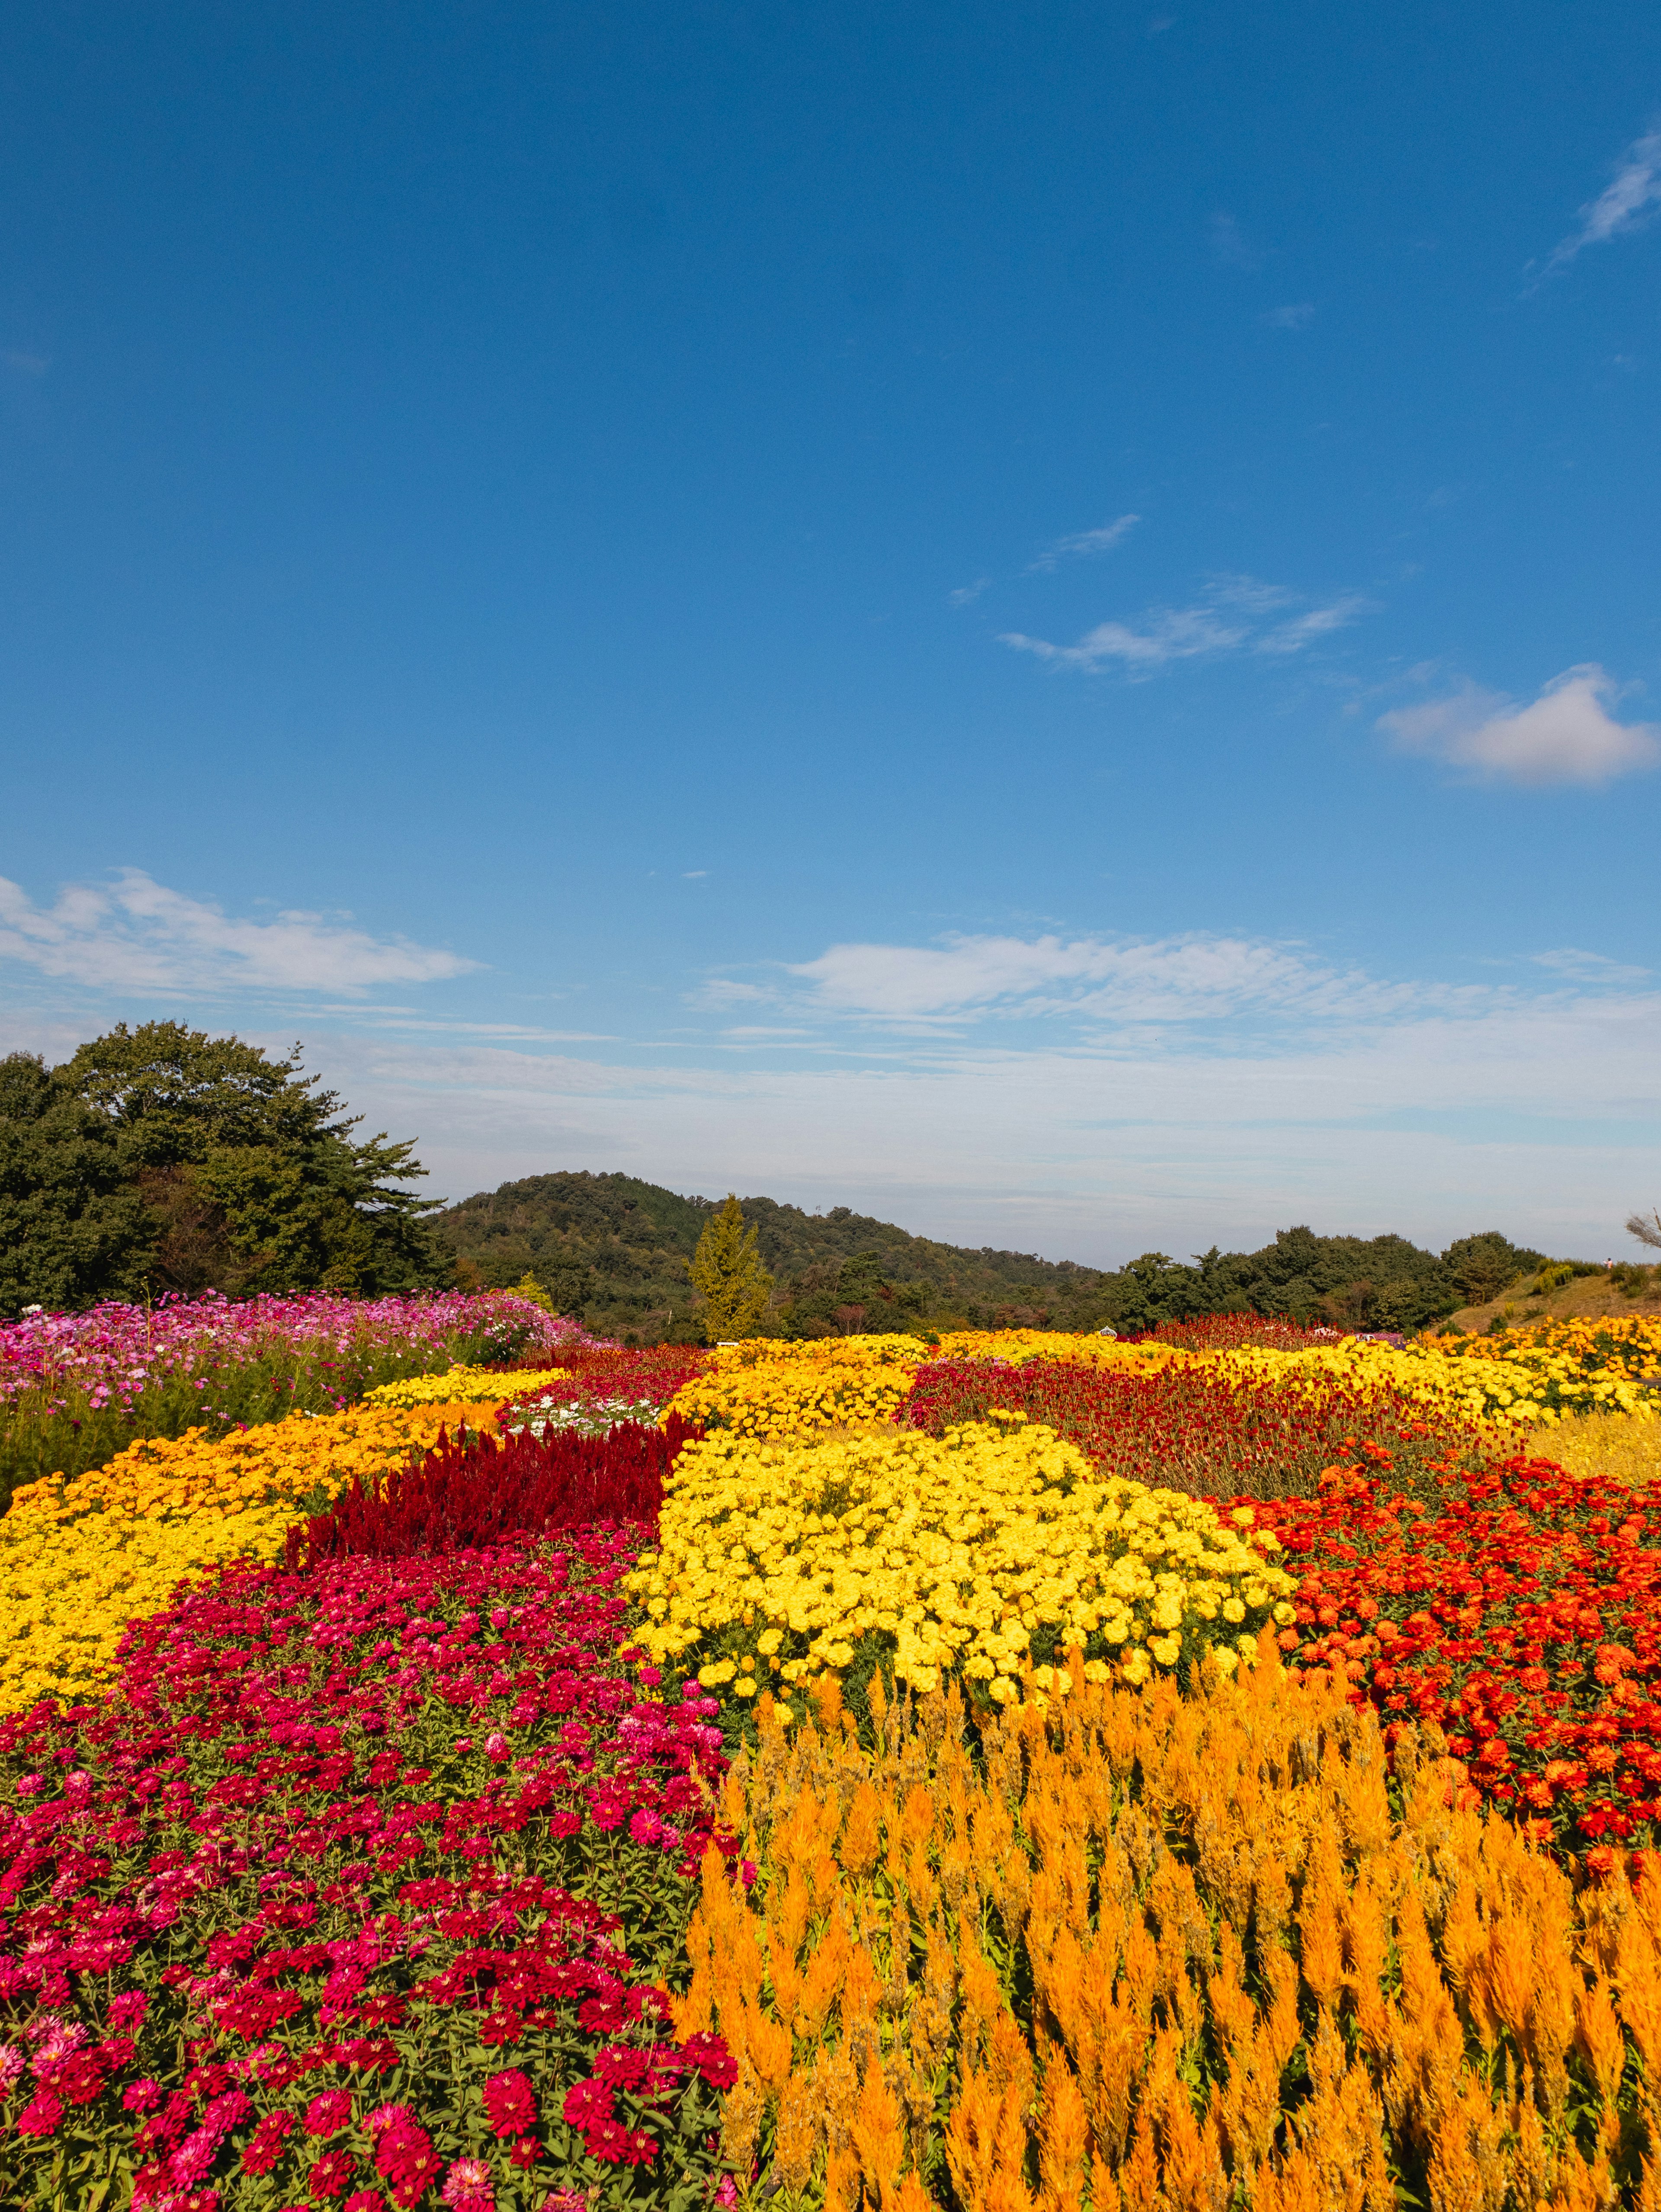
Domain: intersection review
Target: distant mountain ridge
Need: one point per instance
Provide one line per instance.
(615, 1249)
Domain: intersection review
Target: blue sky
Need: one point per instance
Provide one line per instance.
(1041, 621)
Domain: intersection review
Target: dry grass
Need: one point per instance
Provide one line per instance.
(1593, 1295)
(1620, 1447)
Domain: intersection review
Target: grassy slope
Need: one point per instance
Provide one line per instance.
(637, 1237)
(1587, 1295)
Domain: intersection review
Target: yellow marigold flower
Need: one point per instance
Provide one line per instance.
(955, 1552)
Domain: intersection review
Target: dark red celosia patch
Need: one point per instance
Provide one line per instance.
(1184, 1429)
(1229, 1332)
(459, 1497)
(300, 1901)
(1520, 1613)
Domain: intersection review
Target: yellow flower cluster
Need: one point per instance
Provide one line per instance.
(966, 1554)
(776, 1390)
(1611, 1446)
(1495, 1389)
(461, 1386)
(1613, 1355)
(79, 1559)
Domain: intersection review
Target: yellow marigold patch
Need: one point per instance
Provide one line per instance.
(961, 1553)
(461, 1386)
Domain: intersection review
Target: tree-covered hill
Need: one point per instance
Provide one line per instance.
(615, 1249)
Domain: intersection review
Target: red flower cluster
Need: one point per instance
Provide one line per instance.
(603, 1372)
(1185, 1429)
(1230, 1332)
(1520, 1615)
(320, 1846)
(460, 1496)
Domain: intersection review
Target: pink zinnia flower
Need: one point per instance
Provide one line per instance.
(467, 2186)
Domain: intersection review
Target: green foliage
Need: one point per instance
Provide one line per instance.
(1554, 1273)
(856, 1297)
(160, 1158)
(728, 1274)
(1483, 1266)
(634, 1239)
(73, 1225)
(1381, 1283)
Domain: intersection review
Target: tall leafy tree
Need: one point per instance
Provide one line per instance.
(728, 1274)
(245, 1174)
(73, 1226)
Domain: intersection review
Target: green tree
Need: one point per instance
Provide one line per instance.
(73, 1226)
(728, 1274)
(1483, 1265)
(248, 1172)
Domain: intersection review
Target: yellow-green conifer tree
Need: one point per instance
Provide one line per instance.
(727, 1273)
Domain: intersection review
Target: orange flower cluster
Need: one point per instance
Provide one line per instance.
(1153, 1951)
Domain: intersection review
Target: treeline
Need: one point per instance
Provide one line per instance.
(160, 1159)
(615, 1249)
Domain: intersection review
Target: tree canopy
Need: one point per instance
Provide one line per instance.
(160, 1158)
(727, 1273)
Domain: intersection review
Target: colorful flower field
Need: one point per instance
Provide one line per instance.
(1021, 1772)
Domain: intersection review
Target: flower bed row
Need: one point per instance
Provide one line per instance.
(82, 1558)
(1187, 1426)
(777, 1391)
(76, 1389)
(1150, 1950)
(1520, 1615)
(971, 1555)
(326, 1899)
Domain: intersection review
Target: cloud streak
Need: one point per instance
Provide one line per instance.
(1236, 615)
(136, 934)
(1626, 202)
(1083, 542)
(1566, 735)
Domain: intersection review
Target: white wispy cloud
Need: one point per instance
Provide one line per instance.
(1297, 317)
(966, 594)
(136, 934)
(1326, 1095)
(1167, 633)
(1182, 979)
(1236, 615)
(1319, 621)
(1083, 541)
(1567, 735)
(1629, 200)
